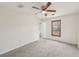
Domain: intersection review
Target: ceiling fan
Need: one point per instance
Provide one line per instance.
(44, 8)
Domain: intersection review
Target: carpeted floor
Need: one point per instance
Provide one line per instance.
(44, 48)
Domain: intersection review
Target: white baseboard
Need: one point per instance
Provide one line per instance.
(62, 41)
(16, 47)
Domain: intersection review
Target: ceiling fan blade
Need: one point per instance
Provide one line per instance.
(37, 13)
(36, 8)
(47, 5)
(51, 10)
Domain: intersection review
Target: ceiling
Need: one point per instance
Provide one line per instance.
(62, 8)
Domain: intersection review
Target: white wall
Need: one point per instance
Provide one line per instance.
(78, 30)
(68, 28)
(16, 29)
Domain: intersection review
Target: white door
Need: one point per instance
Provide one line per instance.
(42, 30)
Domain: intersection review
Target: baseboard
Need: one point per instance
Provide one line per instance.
(16, 47)
(62, 42)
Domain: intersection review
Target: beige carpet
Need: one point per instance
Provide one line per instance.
(44, 48)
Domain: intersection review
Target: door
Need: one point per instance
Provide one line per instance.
(42, 28)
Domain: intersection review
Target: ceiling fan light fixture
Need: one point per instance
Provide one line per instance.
(43, 12)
